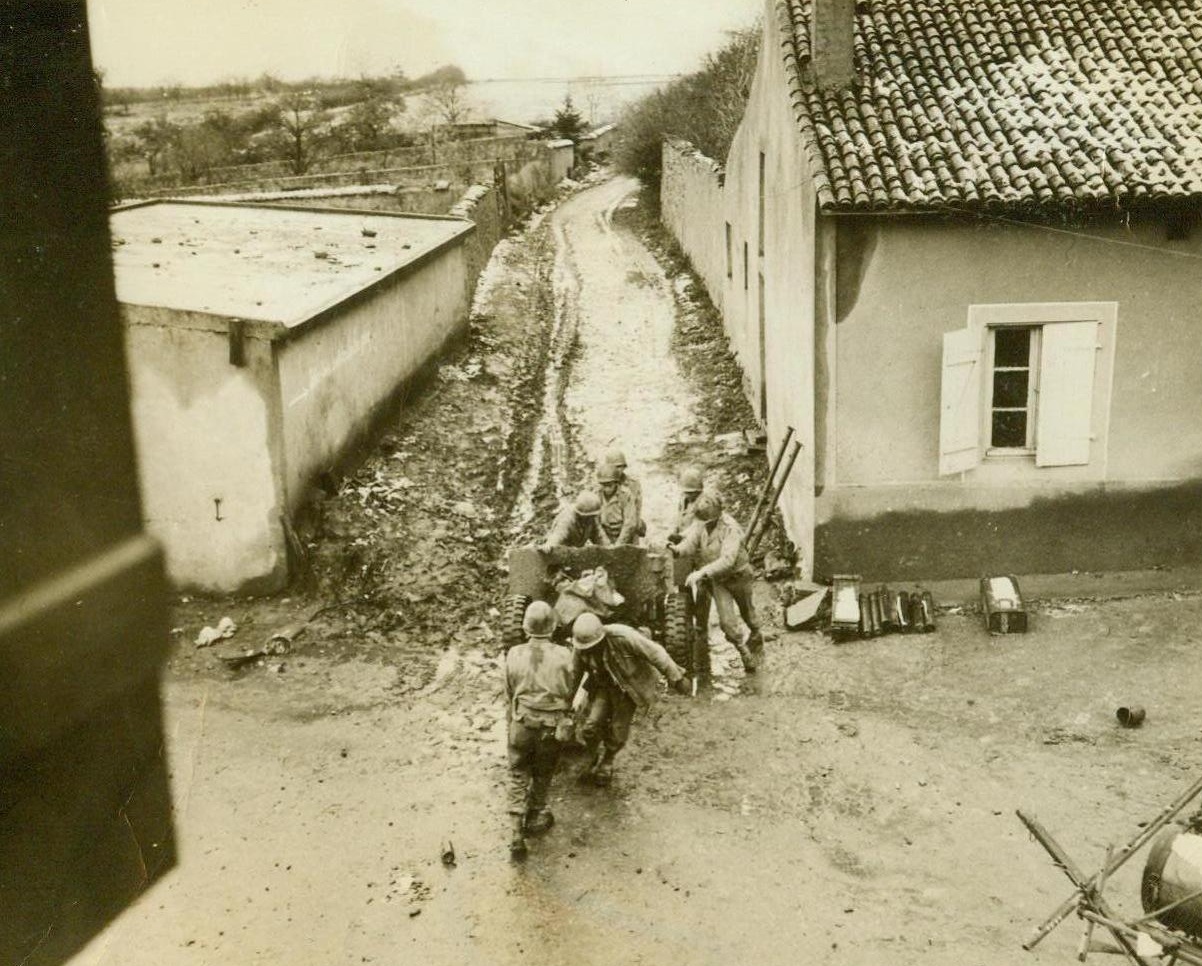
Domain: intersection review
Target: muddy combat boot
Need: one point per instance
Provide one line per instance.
(603, 771)
(517, 842)
(750, 664)
(589, 771)
(539, 821)
(755, 641)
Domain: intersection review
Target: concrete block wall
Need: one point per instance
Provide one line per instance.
(692, 206)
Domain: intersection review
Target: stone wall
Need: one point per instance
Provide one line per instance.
(692, 205)
(479, 205)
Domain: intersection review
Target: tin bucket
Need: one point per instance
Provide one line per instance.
(1131, 717)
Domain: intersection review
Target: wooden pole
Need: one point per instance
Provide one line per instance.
(1083, 949)
(754, 541)
(1088, 897)
(1145, 834)
(767, 487)
(1176, 947)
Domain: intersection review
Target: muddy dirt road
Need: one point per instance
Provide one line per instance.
(851, 804)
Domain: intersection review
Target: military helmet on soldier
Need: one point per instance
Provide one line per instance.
(540, 619)
(692, 480)
(587, 631)
(587, 504)
(608, 473)
(616, 458)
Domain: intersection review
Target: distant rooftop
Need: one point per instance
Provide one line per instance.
(264, 263)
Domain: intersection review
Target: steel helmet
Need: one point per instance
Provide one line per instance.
(708, 507)
(587, 631)
(608, 473)
(615, 457)
(692, 480)
(540, 619)
(587, 504)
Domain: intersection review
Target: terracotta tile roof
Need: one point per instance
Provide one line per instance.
(1052, 103)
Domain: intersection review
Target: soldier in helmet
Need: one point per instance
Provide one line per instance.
(722, 573)
(622, 667)
(692, 482)
(577, 524)
(541, 679)
(619, 516)
(615, 461)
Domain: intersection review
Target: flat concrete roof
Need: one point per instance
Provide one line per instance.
(261, 262)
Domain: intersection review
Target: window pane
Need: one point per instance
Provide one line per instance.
(1010, 428)
(1010, 388)
(1011, 347)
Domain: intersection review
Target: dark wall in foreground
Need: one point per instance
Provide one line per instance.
(85, 820)
(1099, 531)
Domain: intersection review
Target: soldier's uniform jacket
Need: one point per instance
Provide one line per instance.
(570, 530)
(719, 553)
(620, 515)
(541, 679)
(631, 661)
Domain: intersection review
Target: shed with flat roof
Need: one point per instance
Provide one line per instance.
(263, 343)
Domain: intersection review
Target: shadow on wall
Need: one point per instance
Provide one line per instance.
(1100, 531)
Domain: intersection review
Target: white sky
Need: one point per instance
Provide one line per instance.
(146, 42)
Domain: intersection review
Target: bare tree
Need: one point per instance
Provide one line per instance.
(447, 102)
(153, 138)
(299, 120)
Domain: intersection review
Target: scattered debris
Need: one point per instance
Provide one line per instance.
(224, 630)
(803, 611)
(776, 567)
(368, 233)
(734, 442)
(1062, 736)
(448, 854)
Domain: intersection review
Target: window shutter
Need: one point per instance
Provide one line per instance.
(960, 422)
(1065, 408)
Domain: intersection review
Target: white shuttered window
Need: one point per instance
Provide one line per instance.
(1024, 382)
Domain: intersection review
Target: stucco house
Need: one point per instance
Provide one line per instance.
(262, 342)
(956, 248)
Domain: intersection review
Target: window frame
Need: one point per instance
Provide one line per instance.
(1002, 468)
(989, 451)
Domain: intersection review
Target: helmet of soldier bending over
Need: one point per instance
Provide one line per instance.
(540, 619)
(587, 631)
(708, 507)
(587, 504)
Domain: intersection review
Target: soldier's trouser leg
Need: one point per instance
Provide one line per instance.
(533, 754)
(741, 590)
(732, 626)
(608, 722)
(621, 715)
(596, 719)
(545, 760)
